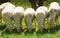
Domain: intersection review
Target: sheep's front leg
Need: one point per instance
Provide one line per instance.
(28, 21)
(17, 19)
(40, 19)
(7, 18)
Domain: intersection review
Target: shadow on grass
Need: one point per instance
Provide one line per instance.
(2, 27)
(53, 31)
(13, 32)
(29, 32)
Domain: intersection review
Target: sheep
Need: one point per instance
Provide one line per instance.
(53, 12)
(29, 15)
(18, 16)
(2, 6)
(7, 15)
(40, 15)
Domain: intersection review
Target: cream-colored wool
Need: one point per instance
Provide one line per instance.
(7, 14)
(18, 16)
(29, 16)
(53, 11)
(40, 15)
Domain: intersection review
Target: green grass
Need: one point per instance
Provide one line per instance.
(55, 32)
(32, 35)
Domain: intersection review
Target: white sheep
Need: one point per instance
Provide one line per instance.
(17, 16)
(40, 14)
(29, 16)
(2, 6)
(53, 12)
(7, 14)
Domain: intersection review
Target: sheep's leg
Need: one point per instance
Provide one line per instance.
(7, 18)
(17, 19)
(40, 19)
(28, 20)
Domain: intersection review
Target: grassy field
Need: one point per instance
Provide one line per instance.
(55, 32)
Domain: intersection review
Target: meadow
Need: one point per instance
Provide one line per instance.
(55, 31)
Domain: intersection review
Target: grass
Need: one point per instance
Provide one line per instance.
(55, 32)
